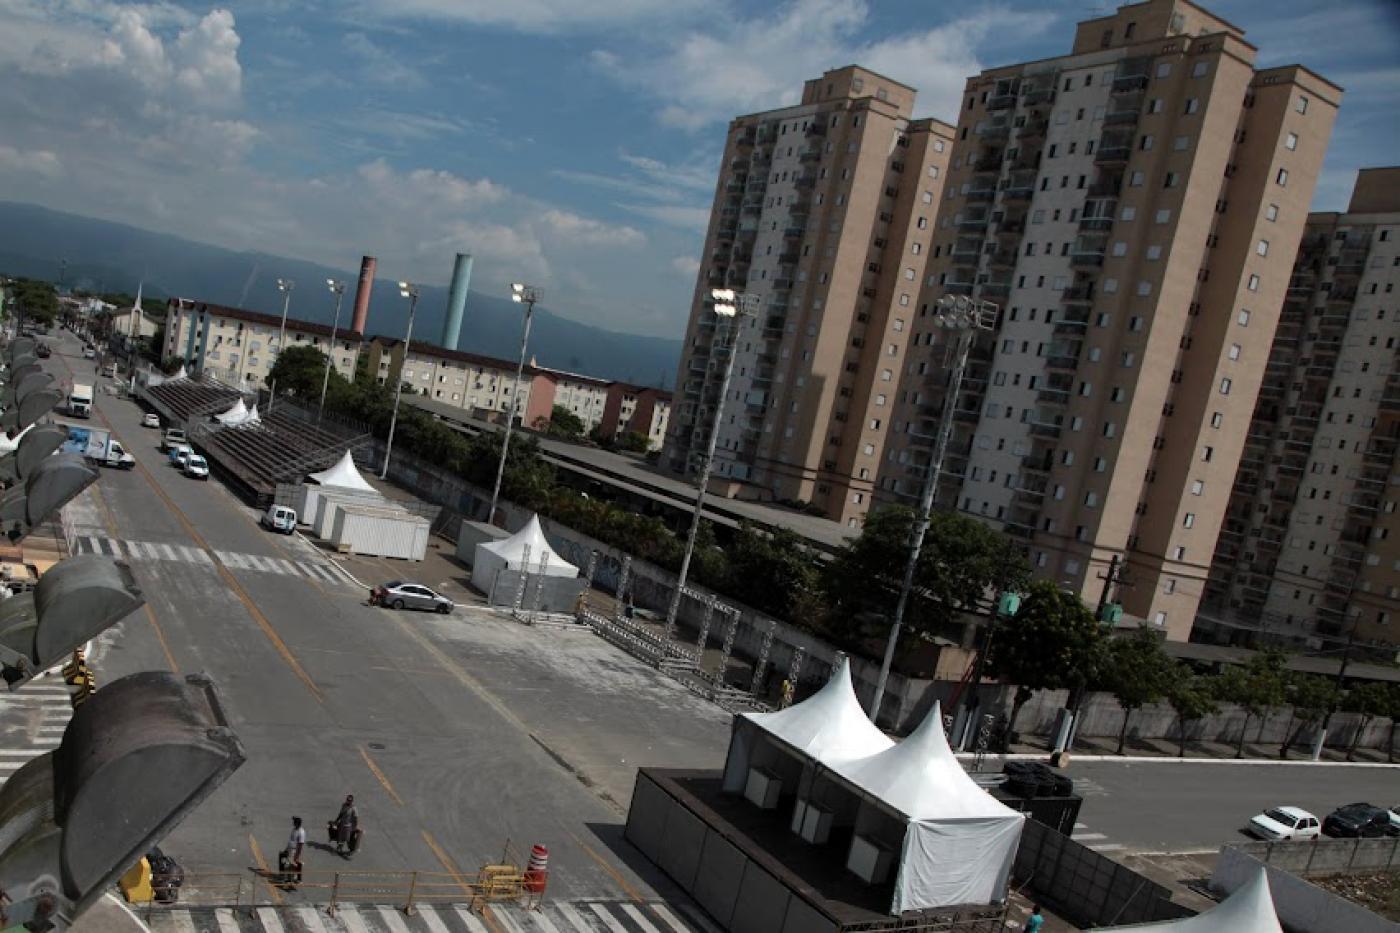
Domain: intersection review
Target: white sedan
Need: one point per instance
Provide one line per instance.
(150, 420)
(1279, 823)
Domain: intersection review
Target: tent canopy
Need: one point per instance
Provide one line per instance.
(511, 552)
(235, 415)
(829, 725)
(1249, 910)
(343, 474)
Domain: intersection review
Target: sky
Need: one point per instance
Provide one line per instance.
(571, 144)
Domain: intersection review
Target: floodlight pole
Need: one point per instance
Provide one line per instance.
(338, 288)
(965, 318)
(285, 286)
(411, 293)
(526, 295)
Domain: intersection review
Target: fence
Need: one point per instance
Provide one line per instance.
(1324, 856)
(1086, 887)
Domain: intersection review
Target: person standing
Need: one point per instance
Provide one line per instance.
(295, 844)
(1035, 921)
(347, 823)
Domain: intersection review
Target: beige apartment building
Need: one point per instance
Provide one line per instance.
(1133, 209)
(823, 214)
(480, 384)
(1310, 548)
(237, 345)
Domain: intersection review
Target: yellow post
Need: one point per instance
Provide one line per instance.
(136, 884)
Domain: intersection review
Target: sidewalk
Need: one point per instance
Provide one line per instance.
(1137, 749)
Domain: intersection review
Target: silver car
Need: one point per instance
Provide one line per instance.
(400, 595)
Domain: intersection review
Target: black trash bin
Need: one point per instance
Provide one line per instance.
(166, 876)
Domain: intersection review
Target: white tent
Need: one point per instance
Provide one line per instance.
(179, 374)
(235, 415)
(827, 726)
(1249, 910)
(526, 547)
(960, 841)
(253, 416)
(344, 475)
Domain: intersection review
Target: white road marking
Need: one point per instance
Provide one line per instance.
(638, 919)
(611, 922)
(430, 919)
(227, 924)
(270, 921)
(181, 921)
(567, 911)
(664, 912)
(352, 920)
(392, 920)
(471, 920)
(311, 919)
(544, 922)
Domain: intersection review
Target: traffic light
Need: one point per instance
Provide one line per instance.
(35, 445)
(75, 600)
(136, 758)
(49, 487)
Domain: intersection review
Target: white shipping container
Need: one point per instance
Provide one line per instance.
(328, 499)
(379, 532)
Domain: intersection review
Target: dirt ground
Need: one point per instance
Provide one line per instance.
(1378, 893)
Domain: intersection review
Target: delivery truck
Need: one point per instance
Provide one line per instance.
(80, 401)
(99, 447)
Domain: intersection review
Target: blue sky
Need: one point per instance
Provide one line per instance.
(571, 144)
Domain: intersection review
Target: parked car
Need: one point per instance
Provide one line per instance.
(1357, 820)
(42, 351)
(173, 437)
(180, 455)
(1394, 818)
(400, 595)
(196, 467)
(150, 420)
(1278, 823)
(89, 353)
(279, 518)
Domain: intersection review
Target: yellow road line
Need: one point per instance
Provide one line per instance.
(447, 862)
(262, 865)
(380, 776)
(237, 587)
(616, 875)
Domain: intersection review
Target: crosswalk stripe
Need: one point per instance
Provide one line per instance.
(470, 919)
(431, 920)
(608, 919)
(568, 912)
(224, 918)
(270, 921)
(352, 920)
(311, 919)
(503, 919)
(664, 912)
(392, 920)
(1080, 837)
(545, 923)
(181, 921)
(194, 555)
(230, 559)
(111, 547)
(168, 551)
(1106, 847)
(638, 919)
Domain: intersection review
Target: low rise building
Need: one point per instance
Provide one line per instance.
(238, 345)
(632, 409)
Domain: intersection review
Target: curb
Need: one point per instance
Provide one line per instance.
(1156, 759)
(336, 564)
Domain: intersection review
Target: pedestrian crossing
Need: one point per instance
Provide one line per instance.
(188, 554)
(33, 721)
(1096, 841)
(584, 916)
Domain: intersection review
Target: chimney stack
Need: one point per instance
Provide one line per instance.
(360, 321)
(457, 300)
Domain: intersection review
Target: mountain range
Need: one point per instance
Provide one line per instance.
(100, 255)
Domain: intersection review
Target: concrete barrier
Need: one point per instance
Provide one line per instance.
(1301, 907)
(1325, 856)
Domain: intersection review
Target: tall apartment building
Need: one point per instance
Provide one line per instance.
(238, 345)
(1311, 542)
(824, 211)
(1133, 208)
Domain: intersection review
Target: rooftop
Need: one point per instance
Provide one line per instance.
(257, 317)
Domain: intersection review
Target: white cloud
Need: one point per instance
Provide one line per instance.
(687, 266)
(588, 231)
(541, 16)
(37, 161)
(380, 66)
(695, 219)
(702, 78)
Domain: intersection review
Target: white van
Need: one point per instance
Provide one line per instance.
(280, 518)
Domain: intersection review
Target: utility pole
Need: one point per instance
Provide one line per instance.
(1321, 736)
(1114, 575)
(409, 291)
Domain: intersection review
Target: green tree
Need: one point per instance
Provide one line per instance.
(962, 563)
(1191, 698)
(1256, 688)
(1368, 700)
(1393, 711)
(560, 423)
(774, 571)
(1051, 643)
(298, 372)
(37, 300)
(1135, 671)
(635, 441)
(1311, 697)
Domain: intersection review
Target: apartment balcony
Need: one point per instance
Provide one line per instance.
(958, 288)
(747, 137)
(809, 155)
(1086, 257)
(1078, 293)
(782, 284)
(996, 289)
(1001, 101)
(806, 181)
(977, 195)
(1011, 228)
(1033, 129)
(736, 164)
(972, 222)
(1124, 111)
(1038, 463)
(1003, 259)
(1062, 362)
(1071, 322)
(794, 232)
(1052, 396)
(1047, 429)
(735, 185)
(1106, 187)
(1027, 161)
(1127, 83)
(1112, 154)
(967, 253)
(1016, 193)
(988, 163)
(757, 184)
(996, 130)
(816, 129)
(1038, 94)
(967, 415)
(752, 208)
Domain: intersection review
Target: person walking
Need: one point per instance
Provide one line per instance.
(347, 823)
(292, 855)
(1034, 922)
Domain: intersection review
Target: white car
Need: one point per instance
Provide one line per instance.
(1394, 819)
(150, 420)
(1279, 823)
(196, 467)
(180, 455)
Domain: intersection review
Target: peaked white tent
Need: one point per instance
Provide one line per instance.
(828, 726)
(179, 374)
(527, 546)
(343, 475)
(1249, 910)
(253, 416)
(234, 415)
(960, 841)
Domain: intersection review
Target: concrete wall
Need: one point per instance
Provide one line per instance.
(1326, 856)
(1301, 907)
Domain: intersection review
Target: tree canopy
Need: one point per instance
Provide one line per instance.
(1191, 698)
(1135, 671)
(560, 423)
(299, 371)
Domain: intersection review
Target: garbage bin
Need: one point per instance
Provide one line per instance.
(166, 876)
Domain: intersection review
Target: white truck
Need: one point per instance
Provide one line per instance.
(99, 447)
(80, 401)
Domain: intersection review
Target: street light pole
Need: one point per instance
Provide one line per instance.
(732, 305)
(520, 293)
(337, 289)
(964, 317)
(410, 292)
(284, 286)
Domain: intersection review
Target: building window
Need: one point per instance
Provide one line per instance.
(1197, 487)
(1271, 212)
(1281, 179)
(1189, 521)
(1207, 453)
(1234, 351)
(1163, 216)
(1253, 283)
(1263, 248)
(1144, 289)
(1301, 104)
(1217, 419)
(1290, 141)
(1192, 105)
(1243, 317)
